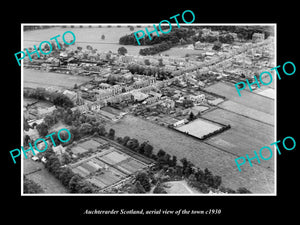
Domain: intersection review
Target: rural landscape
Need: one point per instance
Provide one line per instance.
(160, 118)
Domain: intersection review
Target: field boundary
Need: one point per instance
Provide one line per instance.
(247, 116)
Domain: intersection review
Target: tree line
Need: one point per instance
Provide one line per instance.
(160, 72)
(244, 32)
(57, 99)
(73, 182)
(173, 37)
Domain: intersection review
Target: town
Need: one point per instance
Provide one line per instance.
(153, 118)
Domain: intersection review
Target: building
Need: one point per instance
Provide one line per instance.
(59, 149)
(258, 37)
(139, 96)
(198, 98)
(179, 123)
(46, 111)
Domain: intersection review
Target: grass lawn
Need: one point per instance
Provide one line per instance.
(248, 99)
(199, 128)
(201, 154)
(36, 78)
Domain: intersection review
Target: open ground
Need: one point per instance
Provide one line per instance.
(202, 154)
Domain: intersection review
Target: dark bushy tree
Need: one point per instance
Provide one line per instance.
(122, 50)
(144, 180)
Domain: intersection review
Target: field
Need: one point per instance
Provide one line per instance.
(268, 92)
(30, 166)
(35, 78)
(181, 52)
(248, 112)
(248, 98)
(86, 36)
(28, 101)
(201, 154)
(199, 128)
(179, 187)
(244, 136)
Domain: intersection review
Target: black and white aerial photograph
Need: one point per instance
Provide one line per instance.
(184, 111)
(174, 115)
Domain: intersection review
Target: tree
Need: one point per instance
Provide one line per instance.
(144, 180)
(31, 187)
(160, 62)
(173, 162)
(101, 130)
(161, 153)
(26, 125)
(243, 190)
(65, 176)
(26, 139)
(148, 149)
(73, 184)
(42, 128)
(217, 46)
(122, 50)
(147, 62)
(102, 37)
(131, 28)
(138, 188)
(191, 116)
(187, 103)
(85, 128)
(89, 47)
(159, 189)
(217, 181)
(66, 159)
(125, 140)
(86, 187)
(111, 134)
(133, 144)
(119, 140)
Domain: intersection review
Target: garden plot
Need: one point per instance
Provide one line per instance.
(90, 144)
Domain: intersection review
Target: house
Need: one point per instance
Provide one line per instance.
(72, 95)
(180, 122)
(81, 108)
(139, 96)
(43, 160)
(198, 98)
(258, 37)
(46, 111)
(59, 149)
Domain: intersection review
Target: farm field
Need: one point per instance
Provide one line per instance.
(199, 128)
(248, 98)
(199, 153)
(248, 112)
(268, 92)
(36, 78)
(86, 36)
(244, 136)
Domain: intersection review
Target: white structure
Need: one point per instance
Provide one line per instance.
(58, 149)
(178, 123)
